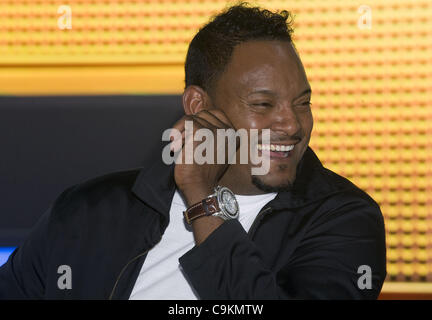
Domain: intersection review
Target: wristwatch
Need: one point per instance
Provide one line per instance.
(222, 203)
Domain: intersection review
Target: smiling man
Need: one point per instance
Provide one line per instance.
(215, 231)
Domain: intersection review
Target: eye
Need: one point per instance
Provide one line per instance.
(307, 104)
(261, 104)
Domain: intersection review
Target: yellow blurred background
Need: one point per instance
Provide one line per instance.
(369, 64)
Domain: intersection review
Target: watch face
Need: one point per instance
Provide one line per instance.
(229, 202)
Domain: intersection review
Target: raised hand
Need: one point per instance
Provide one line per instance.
(196, 181)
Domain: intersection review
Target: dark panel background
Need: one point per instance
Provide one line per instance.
(50, 143)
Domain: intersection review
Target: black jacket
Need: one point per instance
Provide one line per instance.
(305, 244)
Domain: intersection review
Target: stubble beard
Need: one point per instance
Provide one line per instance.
(287, 186)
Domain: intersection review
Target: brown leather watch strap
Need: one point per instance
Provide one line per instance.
(206, 207)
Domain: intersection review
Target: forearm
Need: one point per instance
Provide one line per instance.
(229, 266)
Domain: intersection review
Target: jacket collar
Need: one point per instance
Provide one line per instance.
(313, 182)
(155, 185)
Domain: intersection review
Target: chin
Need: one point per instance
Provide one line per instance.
(272, 186)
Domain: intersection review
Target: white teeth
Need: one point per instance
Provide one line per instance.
(275, 147)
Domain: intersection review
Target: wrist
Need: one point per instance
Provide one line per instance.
(221, 204)
(196, 193)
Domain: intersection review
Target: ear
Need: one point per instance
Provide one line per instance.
(195, 99)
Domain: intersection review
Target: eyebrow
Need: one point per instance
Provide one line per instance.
(272, 93)
(305, 92)
(263, 91)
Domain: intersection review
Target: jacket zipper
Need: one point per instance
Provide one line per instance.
(127, 264)
(257, 220)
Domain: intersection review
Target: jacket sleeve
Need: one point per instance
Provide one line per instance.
(21, 277)
(325, 264)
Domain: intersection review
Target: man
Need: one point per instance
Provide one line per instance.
(298, 232)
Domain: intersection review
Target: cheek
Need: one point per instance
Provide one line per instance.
(242, 118)
(308, 124)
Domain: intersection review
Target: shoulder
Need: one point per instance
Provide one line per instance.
(345, 189)
(350, 205)
(316, 183)
(101, 192)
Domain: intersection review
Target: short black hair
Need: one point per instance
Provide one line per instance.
(211, 49)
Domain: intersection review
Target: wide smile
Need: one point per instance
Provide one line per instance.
(276, 151)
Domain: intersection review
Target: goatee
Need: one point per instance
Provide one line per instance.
(286, 187)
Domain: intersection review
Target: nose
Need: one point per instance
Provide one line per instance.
(286, 121)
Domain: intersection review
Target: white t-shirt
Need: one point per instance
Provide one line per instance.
(161, 277)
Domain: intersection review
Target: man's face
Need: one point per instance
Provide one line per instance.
(264, 86)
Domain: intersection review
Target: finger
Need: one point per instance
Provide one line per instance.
(204, 122)
(178, 140)
(175, 134)
(199, 120)
(220, 116)
(210, 117)
(180, 124)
